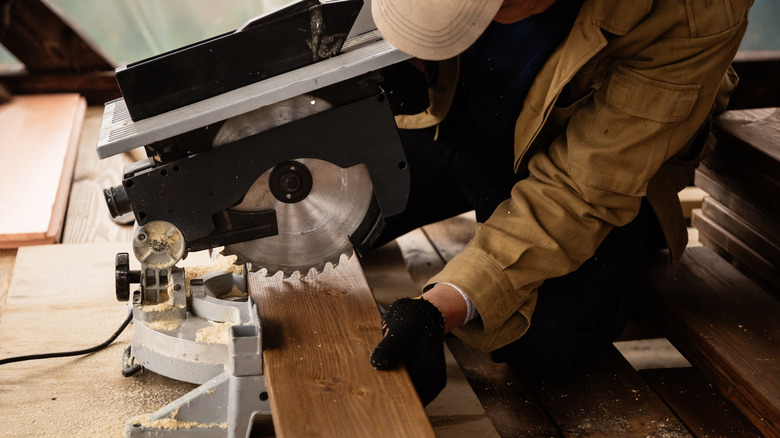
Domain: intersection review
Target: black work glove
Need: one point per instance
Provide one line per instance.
(413, 332)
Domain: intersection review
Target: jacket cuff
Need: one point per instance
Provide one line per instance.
(505, 312)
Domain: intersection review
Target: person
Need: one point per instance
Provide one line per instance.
(569, 126)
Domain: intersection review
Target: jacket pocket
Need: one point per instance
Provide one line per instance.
(649, 98)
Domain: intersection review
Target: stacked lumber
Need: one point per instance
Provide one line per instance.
(740, 218)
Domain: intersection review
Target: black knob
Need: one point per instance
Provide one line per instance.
(124, 276)
(117, 201)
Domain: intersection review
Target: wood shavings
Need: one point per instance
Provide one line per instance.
(173, 424)
(222, 264)
(165, 325)
(216, 334)
(235, 292)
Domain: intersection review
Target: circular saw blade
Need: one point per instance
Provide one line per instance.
(315, 230)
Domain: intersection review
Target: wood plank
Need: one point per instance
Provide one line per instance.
(317, 336)
(39, 149)
(62, 298)
(610, 399)
(740, 228)
(744, 180)
(87, 218)
(753, 214)
(508, 401)
(750, 262)
(726, 326)
(753, 137)
(701, 407)
(45, 40)
(456, 412)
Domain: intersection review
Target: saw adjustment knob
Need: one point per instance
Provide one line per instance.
(124, 276)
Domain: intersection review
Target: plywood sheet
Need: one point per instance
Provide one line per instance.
(318, 333)
(38, 149)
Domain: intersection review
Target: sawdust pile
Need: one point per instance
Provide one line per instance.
(216, 334)
(173, 424)
(235, 292)
(222, 264)
(165, 325)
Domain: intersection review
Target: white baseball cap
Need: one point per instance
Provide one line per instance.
(433, 29)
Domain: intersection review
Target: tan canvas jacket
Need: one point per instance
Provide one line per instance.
(618, 112)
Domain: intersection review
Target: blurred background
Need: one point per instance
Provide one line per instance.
(131, 30)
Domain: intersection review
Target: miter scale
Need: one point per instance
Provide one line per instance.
(276, 143)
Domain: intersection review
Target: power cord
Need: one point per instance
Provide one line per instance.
(73, 353)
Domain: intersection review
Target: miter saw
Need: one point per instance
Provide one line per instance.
(275, 142)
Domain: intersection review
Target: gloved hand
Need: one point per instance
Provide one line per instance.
(413, 332)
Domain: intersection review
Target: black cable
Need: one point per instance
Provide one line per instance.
(73, 353)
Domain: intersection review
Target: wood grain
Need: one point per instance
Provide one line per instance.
(87, 218)
(753, 214)
(726, 326)
(703, 409)
(755, 134)
(456, 412)
(40, 134)
(745, 258)
(608, 400)
(318, 334)
(7, 262)
(508, 401)
(743, 230)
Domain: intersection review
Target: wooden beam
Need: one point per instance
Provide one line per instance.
(720, 191)
(44, 40)
(741, 255)
(318, 334)
(97, 87)
(726, 326)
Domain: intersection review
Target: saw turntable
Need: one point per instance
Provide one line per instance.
(276, 143)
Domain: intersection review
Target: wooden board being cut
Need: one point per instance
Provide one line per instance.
(39, 137)
(318, 334)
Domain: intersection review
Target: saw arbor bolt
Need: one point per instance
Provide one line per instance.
(290, 182)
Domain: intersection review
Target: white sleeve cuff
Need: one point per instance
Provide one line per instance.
(471, 310)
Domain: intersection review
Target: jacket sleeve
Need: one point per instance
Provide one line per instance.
(590, 178)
